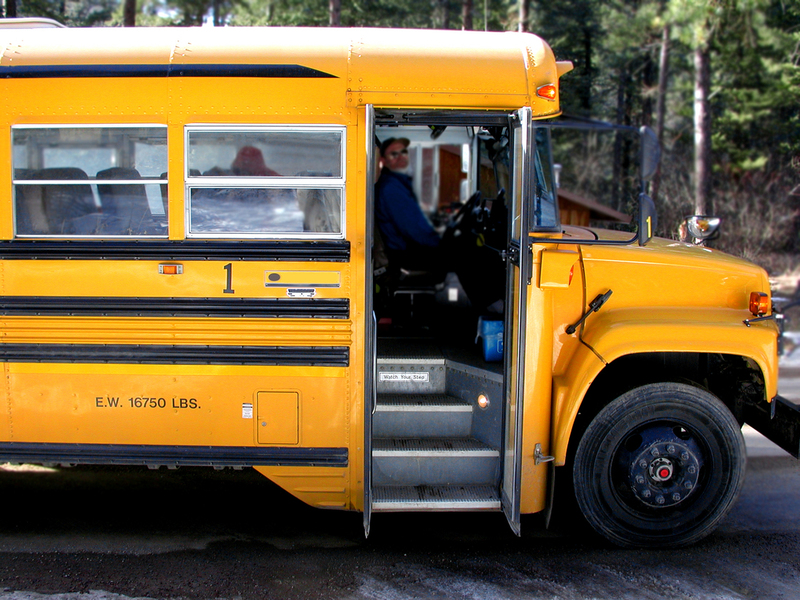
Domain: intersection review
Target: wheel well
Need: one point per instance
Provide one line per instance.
(733, 379)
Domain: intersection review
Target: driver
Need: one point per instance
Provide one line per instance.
(410, 239)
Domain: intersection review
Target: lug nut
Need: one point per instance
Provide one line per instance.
(660, 500)
(691, 470)
(671, 449)
(676, 497)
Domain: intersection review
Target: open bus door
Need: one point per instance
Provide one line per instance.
(370, 389)
(430, 458)
(518, 273)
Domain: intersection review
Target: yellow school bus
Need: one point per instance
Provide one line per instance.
(191, 274)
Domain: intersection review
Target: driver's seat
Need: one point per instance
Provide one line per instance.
(399, 286)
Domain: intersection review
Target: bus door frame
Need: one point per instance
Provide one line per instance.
(519, 259)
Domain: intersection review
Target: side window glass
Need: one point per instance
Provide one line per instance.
(545, 196)
(270, 182)
(93, 181)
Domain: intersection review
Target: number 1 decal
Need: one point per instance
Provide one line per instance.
(228, 279)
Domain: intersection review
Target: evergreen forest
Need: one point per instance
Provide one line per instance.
(718, 80)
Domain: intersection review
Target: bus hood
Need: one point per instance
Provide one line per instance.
(667, 273)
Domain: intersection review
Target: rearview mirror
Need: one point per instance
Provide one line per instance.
(650, 153)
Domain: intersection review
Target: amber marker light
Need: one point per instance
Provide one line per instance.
(548, 92)
(759, 303)
(483, 401)
(170, 269)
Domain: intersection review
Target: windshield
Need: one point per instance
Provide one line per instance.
(597, 174)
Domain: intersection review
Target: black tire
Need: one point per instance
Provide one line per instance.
(660, 466)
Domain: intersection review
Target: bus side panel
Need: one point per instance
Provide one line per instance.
(177, 405)
(261, 403)
(317, 486)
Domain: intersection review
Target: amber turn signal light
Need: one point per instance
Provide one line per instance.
(548, 92)
(759, 303)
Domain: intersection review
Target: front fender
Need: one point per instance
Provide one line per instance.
(612, 334)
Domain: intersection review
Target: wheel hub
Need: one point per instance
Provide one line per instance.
(664, 473)
(661, 469)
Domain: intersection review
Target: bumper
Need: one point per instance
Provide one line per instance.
(778, 421)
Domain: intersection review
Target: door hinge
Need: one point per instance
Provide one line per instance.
(539, 458)
(512, 255)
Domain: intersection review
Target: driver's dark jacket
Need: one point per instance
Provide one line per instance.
(399, 216)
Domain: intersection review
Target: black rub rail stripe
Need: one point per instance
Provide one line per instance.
(248, 308)
(313, 356)
(166, 70)
(188, 456)
(298, 251)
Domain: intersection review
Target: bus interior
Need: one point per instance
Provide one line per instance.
(460, 176)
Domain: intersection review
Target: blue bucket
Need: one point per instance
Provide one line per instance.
(490, 335)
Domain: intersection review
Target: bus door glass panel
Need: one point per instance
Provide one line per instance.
(265, 182)
(516, 296)
(92, 181)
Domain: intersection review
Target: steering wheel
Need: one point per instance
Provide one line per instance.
(456, 221)
(467, 207)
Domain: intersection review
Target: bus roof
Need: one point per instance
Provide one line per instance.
(28, 23)
(391, 67)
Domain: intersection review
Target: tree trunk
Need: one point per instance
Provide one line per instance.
(466, 14)
(11, 9)
(335, 9)
(217, 13)
(129, 13)
(442, 14)
(618, 168)
(702, 131)
(661, 103)
(585, 93)
(524, 9)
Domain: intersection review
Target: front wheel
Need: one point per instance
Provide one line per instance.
(660, 466)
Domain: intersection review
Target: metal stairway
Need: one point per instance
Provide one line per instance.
(433, 448)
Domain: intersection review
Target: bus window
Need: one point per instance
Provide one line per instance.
(546, 205)
(265, 181)
(58, 172)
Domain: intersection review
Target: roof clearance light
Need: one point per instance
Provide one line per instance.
(548, 92)
(759, 303)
